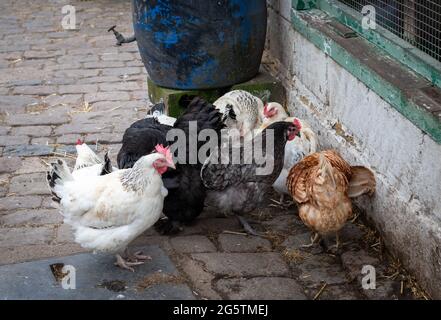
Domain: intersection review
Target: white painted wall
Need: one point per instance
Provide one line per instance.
(407, 205)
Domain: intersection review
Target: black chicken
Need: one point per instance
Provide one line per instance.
(186, 193)
(240, 187)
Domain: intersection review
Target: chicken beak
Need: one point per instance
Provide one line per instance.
(171, 164)
(298, 134)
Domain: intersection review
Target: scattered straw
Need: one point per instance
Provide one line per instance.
(320, 292)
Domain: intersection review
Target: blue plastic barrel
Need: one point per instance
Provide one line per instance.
(200, 44)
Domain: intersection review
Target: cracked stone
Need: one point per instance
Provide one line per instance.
(200, 279)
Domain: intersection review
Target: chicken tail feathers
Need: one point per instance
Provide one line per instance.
(107, 167)
(312, 138)
(58, 175)
(362, 182)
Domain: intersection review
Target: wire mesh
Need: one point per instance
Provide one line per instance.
(416, 21)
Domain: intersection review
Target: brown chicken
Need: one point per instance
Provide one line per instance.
(322, 184)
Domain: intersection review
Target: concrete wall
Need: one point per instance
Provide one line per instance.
(407, 205)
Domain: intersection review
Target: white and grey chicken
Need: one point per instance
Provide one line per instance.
(295, 150)
(88, 163)
(242, 111)
(108, 212)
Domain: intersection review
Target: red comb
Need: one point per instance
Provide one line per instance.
(298, 124)
(79, 142)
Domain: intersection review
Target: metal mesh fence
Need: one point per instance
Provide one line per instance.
(416, 21)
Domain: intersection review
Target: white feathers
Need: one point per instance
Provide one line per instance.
(107, 212)
(247, 111)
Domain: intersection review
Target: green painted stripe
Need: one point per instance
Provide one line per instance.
(391, 94)
(396, 47)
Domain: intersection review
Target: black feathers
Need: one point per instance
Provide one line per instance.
(186, 195)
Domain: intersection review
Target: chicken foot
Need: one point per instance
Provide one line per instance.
(314, 240)
(131, 259)
(281, 203)
(125, 264)
(247, 227)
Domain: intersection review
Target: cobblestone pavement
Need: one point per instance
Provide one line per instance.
(57, 86)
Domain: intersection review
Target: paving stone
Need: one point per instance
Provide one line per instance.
(336, 292)
(78, 88)
(76, 73)
(318, 269)
(32, 131)
(51, 117)
(17, 202)
(31, 165)
(243, 264)
(13, 140)
(212, 225)
(101, 79)
(125, 56)
(268, 288)
(121, 71)
(64, 232)
(28, 150)
(81, 128)
(239, 243)
(9, 164)
(9, 255)
(18, 101)
(14, 237)
(104, 138)
(121, 86)
(103, 64)
(48, 203)
(200, 279)
(29, 184)
(35, 90)
(43, 140)
(31, 217)
(65, 99)
(106, 96)
(4, 130)
(192, 244)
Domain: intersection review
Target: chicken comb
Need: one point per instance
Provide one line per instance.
(164, 150)
(79, 142)
(297, 123)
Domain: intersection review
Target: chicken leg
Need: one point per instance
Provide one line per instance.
(314, 238)
(131, 259)
(247, 227)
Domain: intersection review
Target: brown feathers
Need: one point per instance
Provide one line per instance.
(321, 184)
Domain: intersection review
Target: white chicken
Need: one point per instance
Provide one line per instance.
(108, 212)
(295, 150)
(89, 164)
(243, 111)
